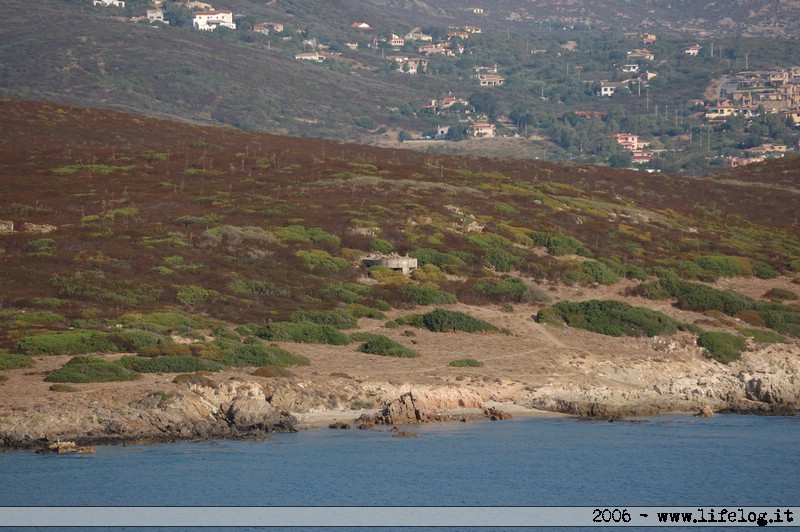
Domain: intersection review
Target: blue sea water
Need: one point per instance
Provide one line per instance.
(659, 461)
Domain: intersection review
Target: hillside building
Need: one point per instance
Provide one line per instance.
(211, 20)
(483, 130)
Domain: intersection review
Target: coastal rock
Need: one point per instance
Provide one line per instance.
(428, 404)
(705, 412)
(66, 447)
(244, 406)
(496, 414)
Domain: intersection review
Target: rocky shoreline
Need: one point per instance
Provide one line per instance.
(763, 382)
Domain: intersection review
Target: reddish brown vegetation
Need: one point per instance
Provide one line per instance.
(132, 198)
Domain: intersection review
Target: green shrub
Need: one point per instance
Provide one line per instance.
(764, 271)
(600, 272)
(765, 337)
(309, 235)
(95, 285)
(505, 289)
(192, 295)
(427, 294)
(698, 297)
(751, 317)
(66, 343)
(725, 266)
(428, 273)
(344, 292)
(302, 332)
(91, 369)
(165, 350)
(160, 322)
(689, 270)
(362, 311)
(257, 287)
(378, 344)
(336, 318)
(625, 270)
(495, 249)
(28, 318)
(465, 363)
(381, 246)
(504, 208)
(780, 294)
(550, 316)
(257, 355)
(43, 246)
(447, 262)
(441, 320)
(613, 318)
(780, 318)
(502, 260)
(169, 364)
(9, 361)
(413, 320)
(318, 259)
(558, 245)
(721, 346)
(132, 340)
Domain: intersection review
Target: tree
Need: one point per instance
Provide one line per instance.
(522, 117)
(178, 16)
(457, 132)
(620, 160)
(486, 103)
(246, 23)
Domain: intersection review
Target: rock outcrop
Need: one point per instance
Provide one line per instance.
(233, 410)
(426, 404)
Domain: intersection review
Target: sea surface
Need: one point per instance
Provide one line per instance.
(661, 461)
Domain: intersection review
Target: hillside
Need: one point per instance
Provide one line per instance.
(211, 248)
(363, 89)
(743, 17)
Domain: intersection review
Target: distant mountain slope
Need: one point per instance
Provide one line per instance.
(722, 18)
(68, 51)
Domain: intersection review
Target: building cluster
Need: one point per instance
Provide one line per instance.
(424, 45)
(773, 91)
(204, 16)
(631, 143)
(444, 105)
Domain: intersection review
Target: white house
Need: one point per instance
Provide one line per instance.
(607, 88)
(693, 50)
(211, 20)
(155, 15)
(109, 3)
(310, 56)
(484, 130)
(490, 80)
